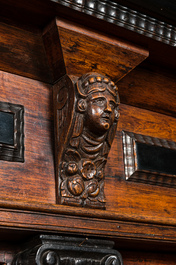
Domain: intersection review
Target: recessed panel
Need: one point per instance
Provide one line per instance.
(6, 128)
(156, 159)
(11, 132)
(149, 160)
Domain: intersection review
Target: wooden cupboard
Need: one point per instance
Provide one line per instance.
(42, 41)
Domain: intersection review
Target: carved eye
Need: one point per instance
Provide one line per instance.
(112, 105)
(99, 101)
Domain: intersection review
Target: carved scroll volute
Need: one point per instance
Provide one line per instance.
(64, 98)
(86, 114)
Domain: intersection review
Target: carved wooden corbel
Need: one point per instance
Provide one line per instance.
(85, 106)
(57, 250)
(86, 115)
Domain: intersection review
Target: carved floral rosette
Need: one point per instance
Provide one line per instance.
(82, 181)
(82, 151)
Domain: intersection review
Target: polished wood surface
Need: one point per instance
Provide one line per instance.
(29, 179)
(35, 182)
(23, 53)
(102, 53)
(86, 113)
(150, 87)
(36, 53)
(53, 51)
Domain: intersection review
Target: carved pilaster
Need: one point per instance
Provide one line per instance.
(86, 114)
(57, 250)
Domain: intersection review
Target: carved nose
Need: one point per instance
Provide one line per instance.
(108, 107)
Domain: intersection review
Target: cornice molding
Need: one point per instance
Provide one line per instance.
(125, 17)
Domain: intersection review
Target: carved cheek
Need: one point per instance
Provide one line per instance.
(112, 116)
(95, 111)
(100, 109)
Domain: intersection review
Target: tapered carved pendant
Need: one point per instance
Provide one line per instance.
(86, 115)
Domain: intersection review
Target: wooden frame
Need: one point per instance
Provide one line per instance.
(149, 160)
(14, 152)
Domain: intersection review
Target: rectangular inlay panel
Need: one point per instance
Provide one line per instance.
(11, 132)
(6, 128)
(149, 160)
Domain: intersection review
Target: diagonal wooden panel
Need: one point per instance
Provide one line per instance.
(53, 51)
(85, 50)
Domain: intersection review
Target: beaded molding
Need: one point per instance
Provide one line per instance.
(125, 17)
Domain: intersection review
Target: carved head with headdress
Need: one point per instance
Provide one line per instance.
(98, 100)
(93, 127)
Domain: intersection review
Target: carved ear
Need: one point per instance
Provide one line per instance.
(82, 105)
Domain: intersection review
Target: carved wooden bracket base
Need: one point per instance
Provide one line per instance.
(57, 250)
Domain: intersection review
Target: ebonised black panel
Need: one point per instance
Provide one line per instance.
(6, 128)
(155, 158)
(149, 160)
(11, 132)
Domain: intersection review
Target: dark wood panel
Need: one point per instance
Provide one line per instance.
(53, 51)
(57, 223)
(137, 258)
(32, 185)
(33, 179)
(149, 88)
(36, 13)
(39, 55)
(86, 50)
(22, 52)
(139, 200)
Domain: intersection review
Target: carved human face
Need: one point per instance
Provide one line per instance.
(100, 112)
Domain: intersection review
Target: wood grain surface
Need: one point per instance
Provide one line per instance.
(30, 185)
(39, 54)
(28, 180)
(150, 88)
(137, 216)
(88, 226)
(53, 51)
(139, 199)
(22, 52)
(85, 50)
(150, 258)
